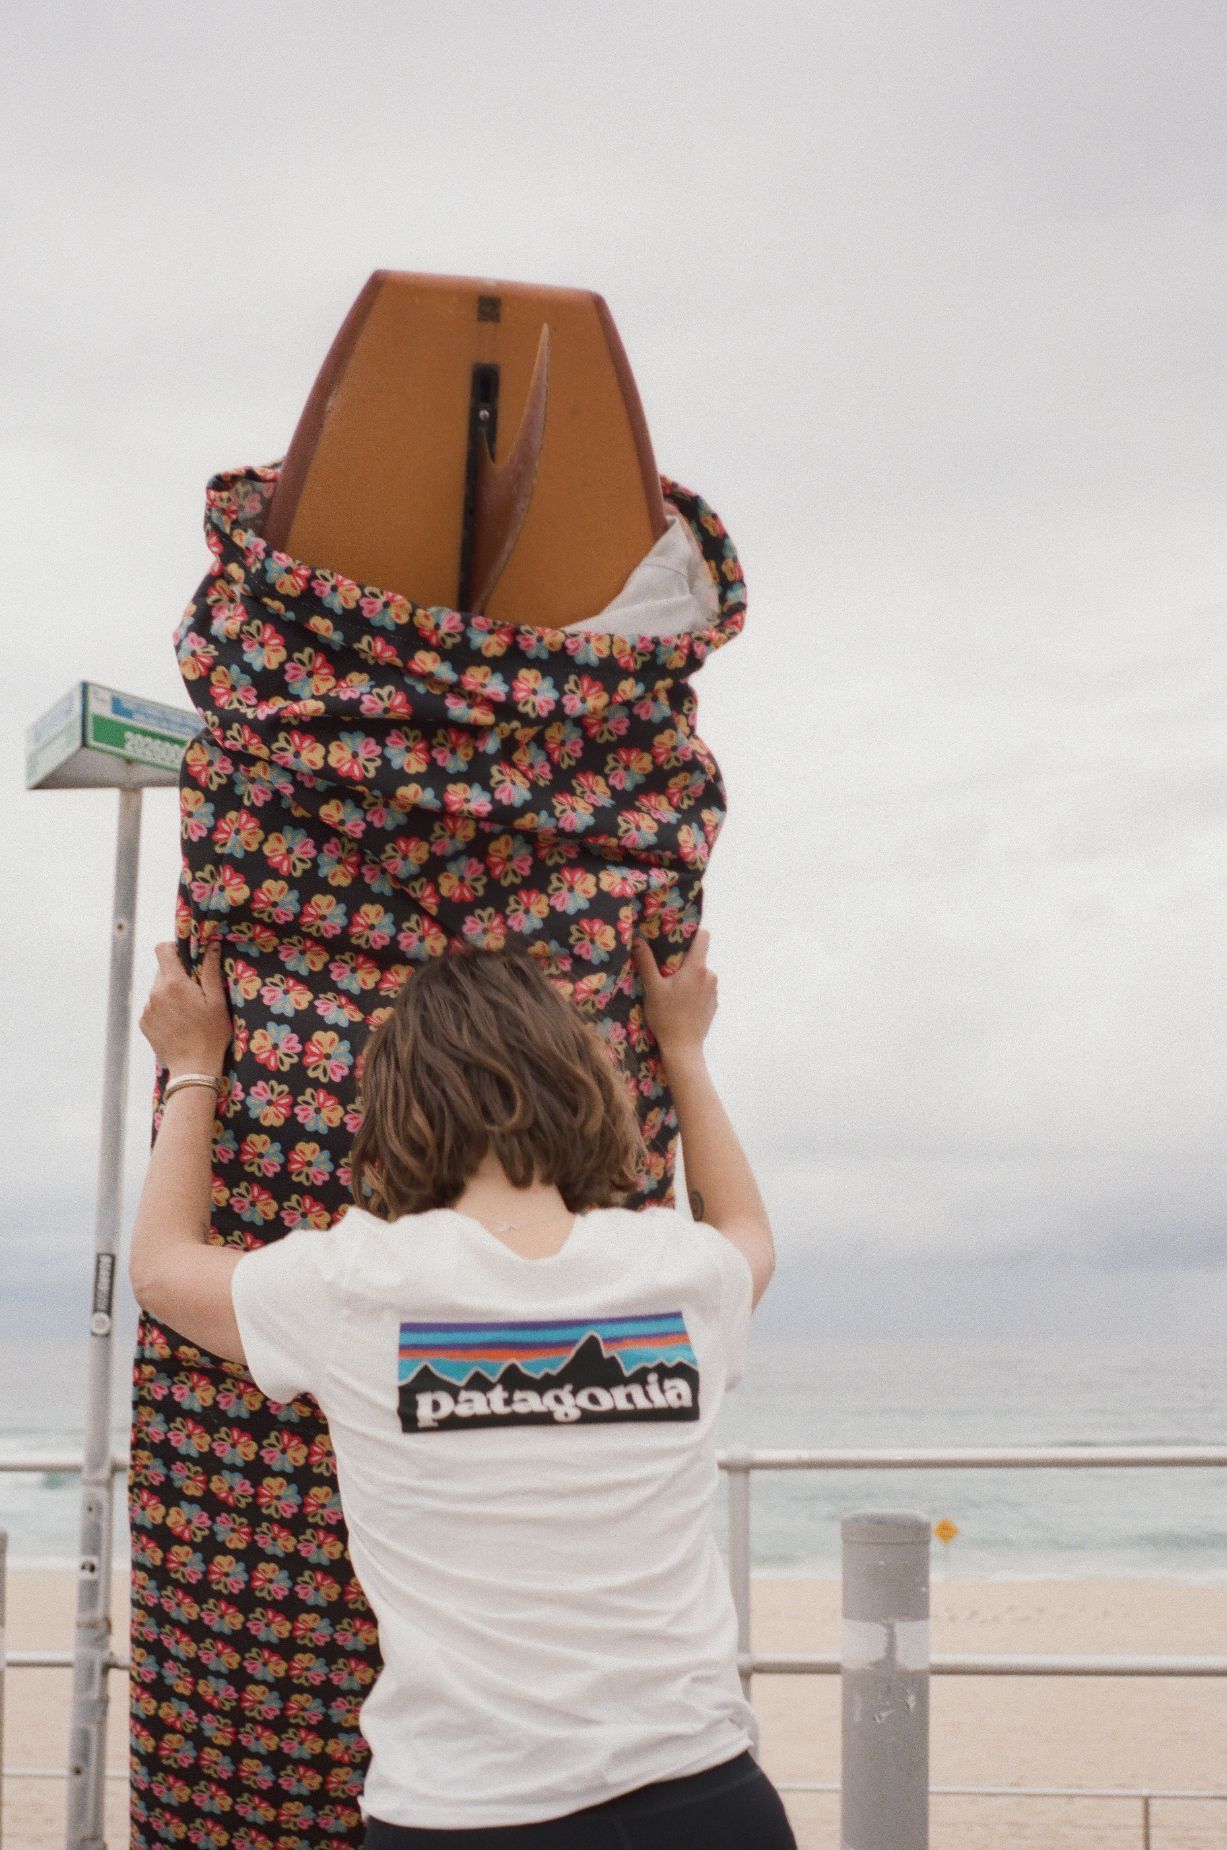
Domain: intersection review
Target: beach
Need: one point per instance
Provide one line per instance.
(1065, 1731)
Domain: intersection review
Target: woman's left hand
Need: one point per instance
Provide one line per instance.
(187, 1022)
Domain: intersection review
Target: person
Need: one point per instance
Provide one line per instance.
(520, 1378)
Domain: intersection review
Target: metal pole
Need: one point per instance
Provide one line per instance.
(739, 1557)
(92, 1643)
(885, 1681)
(1146, 1821)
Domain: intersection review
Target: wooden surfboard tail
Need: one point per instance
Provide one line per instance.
(477, 444)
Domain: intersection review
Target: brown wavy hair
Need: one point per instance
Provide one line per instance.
(478, 1053)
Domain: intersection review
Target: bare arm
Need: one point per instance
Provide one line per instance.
(175, 1276)
(723, 1191)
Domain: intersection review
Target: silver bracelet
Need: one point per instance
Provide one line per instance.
(190, 1079)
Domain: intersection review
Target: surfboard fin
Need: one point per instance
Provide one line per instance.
(497, 496)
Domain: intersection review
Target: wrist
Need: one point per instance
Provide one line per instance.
(201, 1081)
(682, 1057)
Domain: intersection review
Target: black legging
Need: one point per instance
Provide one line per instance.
(733, 1806)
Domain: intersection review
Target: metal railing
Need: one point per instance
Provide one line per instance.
(92, 1662)
(739, 1466)
(1135, 1794)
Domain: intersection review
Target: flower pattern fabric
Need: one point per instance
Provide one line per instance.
(373, 781)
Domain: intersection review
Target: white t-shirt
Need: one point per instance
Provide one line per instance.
(526, 1464)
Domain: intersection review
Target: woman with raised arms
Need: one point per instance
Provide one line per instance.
(521, 1379)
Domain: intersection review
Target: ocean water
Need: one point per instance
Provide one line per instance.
(1015, 1524)
(1012, 1524)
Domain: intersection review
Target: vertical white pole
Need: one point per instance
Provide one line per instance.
(739, 1554)
(885, 1681)
(92, 1643)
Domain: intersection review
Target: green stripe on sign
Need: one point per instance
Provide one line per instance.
(140, 743)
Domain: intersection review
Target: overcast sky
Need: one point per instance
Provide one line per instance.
(927, 301)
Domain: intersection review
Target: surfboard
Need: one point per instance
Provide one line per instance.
(474, 443)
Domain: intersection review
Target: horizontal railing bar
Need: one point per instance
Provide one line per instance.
(805, 1664)
(53, 1660)
(1075, 1792)
(813, 1785)
(980, 1458)
(69, 1463)
(56, 1772)
(1122, 1666)
(1023, 1792)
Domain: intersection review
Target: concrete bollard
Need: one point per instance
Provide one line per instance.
(885, 1681)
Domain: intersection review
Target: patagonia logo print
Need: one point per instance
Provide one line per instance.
(453, 1376)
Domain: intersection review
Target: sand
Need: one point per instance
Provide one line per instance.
(989, 1731)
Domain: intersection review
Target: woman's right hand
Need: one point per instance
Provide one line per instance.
(723, 1192)
(679, 1008)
